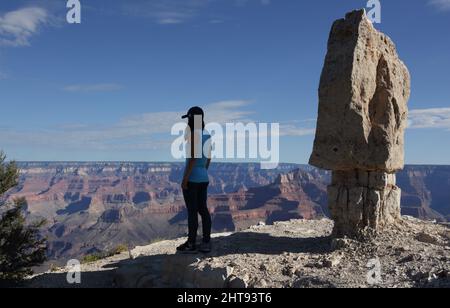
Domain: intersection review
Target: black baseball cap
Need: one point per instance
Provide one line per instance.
(193, 112)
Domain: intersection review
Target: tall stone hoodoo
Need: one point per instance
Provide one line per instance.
(363, 95)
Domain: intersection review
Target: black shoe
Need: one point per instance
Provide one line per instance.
(205, 247)
(187, 248)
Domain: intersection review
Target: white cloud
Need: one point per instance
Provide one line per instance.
(166, 12)
(150, 131)
(17, 27)
(132, 132)
(443, 5)
(429, 118)
(172, 17)
(292, 130)
(228, 111)
(245, 2)
(100, 87)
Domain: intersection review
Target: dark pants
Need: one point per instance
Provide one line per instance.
(196, 197)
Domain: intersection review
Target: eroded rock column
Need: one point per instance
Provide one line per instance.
(363, 95)
(358, 199)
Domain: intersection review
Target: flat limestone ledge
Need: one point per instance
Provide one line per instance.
(298, 253)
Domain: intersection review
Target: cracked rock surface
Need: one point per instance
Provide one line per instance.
(363, 95)
(294, 254)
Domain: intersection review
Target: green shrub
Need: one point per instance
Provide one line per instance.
(21, 246)
(119, 249)
(103, 255)
(92, 258)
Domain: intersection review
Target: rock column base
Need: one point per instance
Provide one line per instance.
(363, 199)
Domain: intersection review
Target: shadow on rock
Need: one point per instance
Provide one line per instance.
(177, 270)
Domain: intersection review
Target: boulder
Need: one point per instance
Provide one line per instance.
(363, 94)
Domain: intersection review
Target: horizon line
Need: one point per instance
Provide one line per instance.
(182, 162)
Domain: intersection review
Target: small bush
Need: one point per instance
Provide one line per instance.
(119, 249)
(92, 258)
(103, 255)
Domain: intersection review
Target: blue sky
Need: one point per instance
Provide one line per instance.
(112, 87)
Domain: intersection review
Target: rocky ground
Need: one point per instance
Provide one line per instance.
(296, 254)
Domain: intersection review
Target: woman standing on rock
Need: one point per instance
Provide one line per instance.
(195, 181)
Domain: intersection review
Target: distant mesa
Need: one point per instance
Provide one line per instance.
(141, 197)
(75, 207)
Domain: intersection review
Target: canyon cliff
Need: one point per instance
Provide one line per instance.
(93, 207)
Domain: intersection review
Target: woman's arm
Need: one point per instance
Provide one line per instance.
(209, 156)
(190, 165)
(187, 173)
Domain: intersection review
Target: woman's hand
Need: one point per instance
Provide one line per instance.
(184, 184)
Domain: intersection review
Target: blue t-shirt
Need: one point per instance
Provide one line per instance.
(199, 172)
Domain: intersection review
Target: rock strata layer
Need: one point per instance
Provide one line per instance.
(360, 199)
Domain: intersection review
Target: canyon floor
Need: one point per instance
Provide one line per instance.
(294, 254)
